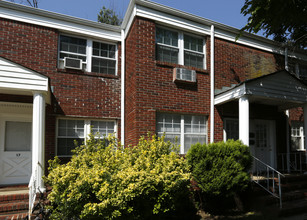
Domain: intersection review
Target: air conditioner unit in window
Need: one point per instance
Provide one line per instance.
(72, 63)
(182, 74)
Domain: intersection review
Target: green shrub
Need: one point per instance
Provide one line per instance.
(220, 169)
(146, 181)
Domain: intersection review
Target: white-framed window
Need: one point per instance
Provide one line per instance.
(297, 135)
(100, 57)
(167, 45)
(184, 130)
(71, 130)
(231, 129)
(180, 48)
(193, 51)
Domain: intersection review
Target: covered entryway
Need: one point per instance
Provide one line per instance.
(282, 91)
(22, 124)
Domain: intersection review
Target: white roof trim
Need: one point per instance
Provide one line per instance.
(60, 22)
(280, 86)
(179, 19)
(230, 95)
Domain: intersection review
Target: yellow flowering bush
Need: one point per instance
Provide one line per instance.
(148, 181)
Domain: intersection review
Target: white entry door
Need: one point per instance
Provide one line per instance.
(15, 149)
(262, 140)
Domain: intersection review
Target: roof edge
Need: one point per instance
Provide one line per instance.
(58, 16)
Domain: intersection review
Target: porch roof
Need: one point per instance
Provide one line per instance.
(18, 80)
(281, 89)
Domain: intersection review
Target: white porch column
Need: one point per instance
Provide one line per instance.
(305, 129)
(38, 136)
(288, 141)
(244, 120)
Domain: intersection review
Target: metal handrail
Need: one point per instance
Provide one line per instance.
(33, 186)
(295, 161)
(267, 173)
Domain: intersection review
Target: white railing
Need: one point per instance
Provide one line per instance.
(33, 187)
(265, 176)
(295, 160)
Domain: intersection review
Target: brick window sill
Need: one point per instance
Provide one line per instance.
(173, 65)
(80, 72)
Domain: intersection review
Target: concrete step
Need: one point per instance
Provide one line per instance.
(294, 198)
(292, 186)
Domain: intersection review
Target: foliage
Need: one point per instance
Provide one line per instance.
(108, 16)
(146, 181)
(32, 3)
(220, 169)
(284, 20)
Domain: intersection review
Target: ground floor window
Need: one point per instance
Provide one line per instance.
(184, 130)
(70, 131)
(297, 135)
(231, 129)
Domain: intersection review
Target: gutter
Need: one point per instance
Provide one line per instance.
(122, 89)
(212, 84)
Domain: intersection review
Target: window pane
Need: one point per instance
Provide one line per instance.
(167, 54)
(72, 44)
(193, 43)
(65, 145)
(18, 136)
(167, 37)
(71, 128)
(190, 139)
(194, 59)
(104, 50)
(101, 65)
(232, 129)
(169, 124)
(103, 128)
(195, 130)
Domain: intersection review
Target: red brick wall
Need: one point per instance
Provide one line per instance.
(150, 87)
(235, 63)
(75, 93)
(296, 114)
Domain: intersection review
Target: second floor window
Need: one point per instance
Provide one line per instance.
(95, 56)
(193, 52)
(167, 45)
(103, 59)
(179, 48)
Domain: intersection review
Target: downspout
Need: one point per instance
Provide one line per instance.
(212, 84)
(122, 90)
(287, 118)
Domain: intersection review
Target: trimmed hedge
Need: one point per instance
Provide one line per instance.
(221, 169)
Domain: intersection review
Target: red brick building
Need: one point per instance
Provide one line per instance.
(163, 71)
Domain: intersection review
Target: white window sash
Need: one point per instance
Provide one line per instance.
(89, 53)
(87, 130)
(182, 133)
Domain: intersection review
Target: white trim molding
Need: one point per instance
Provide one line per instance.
(64, 23)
